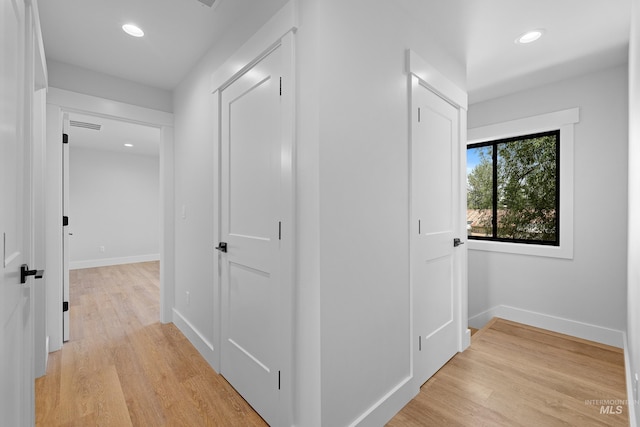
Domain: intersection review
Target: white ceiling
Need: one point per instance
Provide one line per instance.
(581, 36)
(88, 33)
(112, 136)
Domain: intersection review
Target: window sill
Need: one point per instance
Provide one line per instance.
(565, 252)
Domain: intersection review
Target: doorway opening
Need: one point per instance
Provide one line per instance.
(111, 203)
(61, 103)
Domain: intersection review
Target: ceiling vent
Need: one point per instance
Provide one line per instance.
(84, 125)
(207, 2)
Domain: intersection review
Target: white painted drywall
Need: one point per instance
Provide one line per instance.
(364, 201)
(89, 82)
(590, 288)
(195, 192)
(352, 208)
(633, 266)
(114, 204)
(307, 404)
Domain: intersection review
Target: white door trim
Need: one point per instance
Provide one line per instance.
(262, 42)
(431, 78)
(436, 81)
(278, 31)
(38, 128)
(60, 101)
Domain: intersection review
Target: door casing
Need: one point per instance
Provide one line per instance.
(429, 77)
(65, 230)
(61, 101)
(287, 204)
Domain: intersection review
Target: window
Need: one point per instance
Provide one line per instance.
(513, 192)
(561, 123)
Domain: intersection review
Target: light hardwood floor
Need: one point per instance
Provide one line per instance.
(517, 375)
(123, 368)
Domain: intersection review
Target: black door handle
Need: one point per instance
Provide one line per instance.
(222, 247)
(24, 272)
(457, 242)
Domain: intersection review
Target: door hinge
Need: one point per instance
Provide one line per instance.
(280, 86)
(279, 230)
(65, 306)
(65, 138)
(278, 380)
(419, 342)
(418, 114)
(65, 221)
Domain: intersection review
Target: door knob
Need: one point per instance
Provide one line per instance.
(222, 247)
(24, 272)
(457, 242)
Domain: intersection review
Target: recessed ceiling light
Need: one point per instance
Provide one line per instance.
(128, 145)
(132, 30)
(529, 36)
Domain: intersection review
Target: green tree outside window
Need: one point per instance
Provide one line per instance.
(513, 189)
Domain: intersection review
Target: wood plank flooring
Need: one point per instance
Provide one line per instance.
(122, 367)
(517, 375)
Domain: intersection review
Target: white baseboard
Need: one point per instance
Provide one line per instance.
(631, 404)
(199, 341)
(389, 405)
(104, 262)
(393, 401)
(553, 323)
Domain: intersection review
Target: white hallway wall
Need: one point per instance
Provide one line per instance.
(590, 288)
(88, 82)
(195, 195)
(114, 203)
(363, 169)
(352, 286)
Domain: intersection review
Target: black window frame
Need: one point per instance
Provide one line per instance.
(494, 144)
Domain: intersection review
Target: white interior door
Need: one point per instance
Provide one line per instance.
(65, 228)
(435, 194)
(251, 281)
(16, 327)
